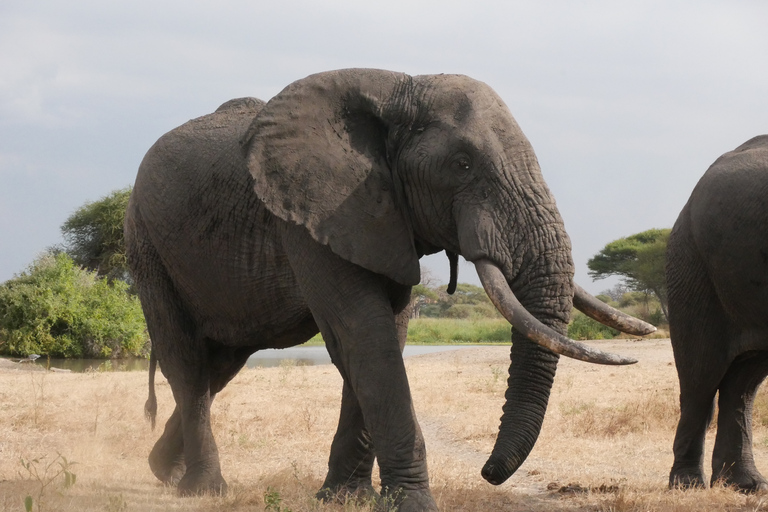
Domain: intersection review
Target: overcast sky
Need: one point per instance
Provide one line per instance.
(626, 103)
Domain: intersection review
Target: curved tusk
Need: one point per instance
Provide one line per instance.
(529, 326)
(606, 315)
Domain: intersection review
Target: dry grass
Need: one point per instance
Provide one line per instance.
(605, 445)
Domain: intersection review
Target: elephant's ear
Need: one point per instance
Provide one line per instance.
(318, 155)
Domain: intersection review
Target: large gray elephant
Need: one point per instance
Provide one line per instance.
(357, 174)
(717, 275)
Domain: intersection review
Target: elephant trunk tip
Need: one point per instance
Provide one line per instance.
(497, 471)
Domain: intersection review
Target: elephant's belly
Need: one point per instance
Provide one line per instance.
(245, 299)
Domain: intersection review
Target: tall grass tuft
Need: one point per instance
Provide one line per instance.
(427, 331)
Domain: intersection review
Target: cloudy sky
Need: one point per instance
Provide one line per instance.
(626, 103)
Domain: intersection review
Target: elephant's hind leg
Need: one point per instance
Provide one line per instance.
(183, 359)
(696, 411)
(166, 460)
(699, 342)
(193, 396)
(732, 459)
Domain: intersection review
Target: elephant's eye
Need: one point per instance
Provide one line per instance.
(461, 163)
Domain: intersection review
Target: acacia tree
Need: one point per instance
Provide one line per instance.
(639, 259)
(93, 235)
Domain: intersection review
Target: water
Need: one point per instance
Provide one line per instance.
(318, 355)
(307, 356)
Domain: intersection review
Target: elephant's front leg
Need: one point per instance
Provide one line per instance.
(351, 462)
(354, 310)
(375, 372)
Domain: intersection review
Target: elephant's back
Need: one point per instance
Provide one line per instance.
(728, 213)
(194, 178)
(194, 195)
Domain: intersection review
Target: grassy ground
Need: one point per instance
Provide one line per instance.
(605, 445)
(444, 331)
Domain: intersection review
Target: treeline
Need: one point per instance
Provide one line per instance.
(467, 302)
(75, 300)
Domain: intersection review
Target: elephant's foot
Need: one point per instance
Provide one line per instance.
(686, 478)
(170, 475)
(168, 470)
(403, 500)
(747, 481)
(202, 482)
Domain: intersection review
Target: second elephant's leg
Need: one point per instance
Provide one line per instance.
(698, 328)
(732, 459)
(696, 411)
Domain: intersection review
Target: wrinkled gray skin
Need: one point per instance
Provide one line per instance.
(357, 174)
(717, 273)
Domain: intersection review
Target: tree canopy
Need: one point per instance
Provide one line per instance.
(639, 259)
(93, 235)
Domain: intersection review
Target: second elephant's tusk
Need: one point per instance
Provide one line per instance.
(529, 326)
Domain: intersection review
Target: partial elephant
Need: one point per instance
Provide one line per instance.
(717, 277)
(259, 225)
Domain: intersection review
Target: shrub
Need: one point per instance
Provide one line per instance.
(58, 309)
(584, 328)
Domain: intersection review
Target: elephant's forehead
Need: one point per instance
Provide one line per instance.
(468, 104)
(461, 96)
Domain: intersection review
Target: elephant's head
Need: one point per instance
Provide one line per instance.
(383, 168)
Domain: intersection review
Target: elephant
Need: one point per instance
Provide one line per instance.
(717, 279)
(261, 224)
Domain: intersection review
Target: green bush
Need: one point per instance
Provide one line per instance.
(584, 328)
(58, 309)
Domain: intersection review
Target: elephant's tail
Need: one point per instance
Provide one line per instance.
(150, 407)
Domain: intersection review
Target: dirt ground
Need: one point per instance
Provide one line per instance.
(605, 444)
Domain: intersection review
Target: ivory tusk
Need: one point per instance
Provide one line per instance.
(529, 326)
(606, 315)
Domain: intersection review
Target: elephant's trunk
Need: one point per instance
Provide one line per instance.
(533, 360)
(534, 356)
(531, 373)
